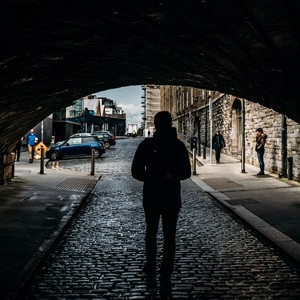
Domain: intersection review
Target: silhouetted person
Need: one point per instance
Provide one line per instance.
(18, 148)
(161, 162)
(218, 144)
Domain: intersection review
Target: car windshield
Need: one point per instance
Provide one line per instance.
(59, 143)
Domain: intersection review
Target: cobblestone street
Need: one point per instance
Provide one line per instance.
(101, 255)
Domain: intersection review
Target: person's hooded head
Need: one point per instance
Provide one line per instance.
(163, 127)
(162, 120)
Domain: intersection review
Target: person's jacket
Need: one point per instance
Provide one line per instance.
(218, 141)
(260, 143)
(161, 163)
(30, 139)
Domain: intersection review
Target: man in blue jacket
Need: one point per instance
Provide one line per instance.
(161, 162)
(32, 139)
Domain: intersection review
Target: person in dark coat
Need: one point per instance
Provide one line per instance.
(161, 162)
(18, 148)
(218, 143)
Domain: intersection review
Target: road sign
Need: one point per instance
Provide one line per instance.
(38, 147)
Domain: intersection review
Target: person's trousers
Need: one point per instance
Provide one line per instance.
(218, 154)
(169, 222)
(31, 150)
(18, 152)
(260, 156)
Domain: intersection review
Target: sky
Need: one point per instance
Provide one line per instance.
(129, 98)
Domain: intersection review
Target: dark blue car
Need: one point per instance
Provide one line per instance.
(75, 146)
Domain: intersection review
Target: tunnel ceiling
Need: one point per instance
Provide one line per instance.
(53, 52)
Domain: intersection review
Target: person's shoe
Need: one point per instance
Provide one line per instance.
(260, 173)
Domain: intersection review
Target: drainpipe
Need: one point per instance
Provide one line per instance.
(197, 120)
(283, 172)
(243, 137)
(211, 125)
(205, 135)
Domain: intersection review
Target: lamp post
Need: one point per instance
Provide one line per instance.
(205, 134)
(243, 137)
(211, 127)
(197, 121)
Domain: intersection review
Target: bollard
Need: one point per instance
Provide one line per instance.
(194, 161)
(290, 168)
(42, 160)
(93, 162)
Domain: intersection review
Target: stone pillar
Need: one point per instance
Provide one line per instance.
(7, 161)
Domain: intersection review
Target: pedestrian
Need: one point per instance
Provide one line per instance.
(161, 162)
(18, 148)
(218, 143)
(260, 149)
(31, 139)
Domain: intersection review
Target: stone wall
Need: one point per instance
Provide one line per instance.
(228, 120)
(227, 117)
(270, 121)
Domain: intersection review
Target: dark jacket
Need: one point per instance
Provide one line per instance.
(218, 141)
(260, 143)
(161, 162)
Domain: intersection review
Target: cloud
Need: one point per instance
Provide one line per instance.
(129, 98)
(133, 112)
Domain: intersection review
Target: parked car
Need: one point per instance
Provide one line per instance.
(80, 144)
(106, 137)
(106, 131)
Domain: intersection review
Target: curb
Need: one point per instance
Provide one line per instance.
(47, 246)
(285, 243)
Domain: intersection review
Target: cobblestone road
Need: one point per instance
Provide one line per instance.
(101, 254)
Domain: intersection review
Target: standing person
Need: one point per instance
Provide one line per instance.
(18, 148)
(31, 140)
(218, 144)
(161, 162)
(260, 149)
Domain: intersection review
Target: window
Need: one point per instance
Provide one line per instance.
(88, 139)
(74, 141)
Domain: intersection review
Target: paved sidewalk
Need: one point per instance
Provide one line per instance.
(34, 210)
(269, 204)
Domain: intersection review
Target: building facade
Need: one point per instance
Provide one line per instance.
(194, 117)
(152, 103)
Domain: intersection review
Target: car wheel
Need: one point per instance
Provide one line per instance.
(106, 145)
(96, 153)
(54, 155)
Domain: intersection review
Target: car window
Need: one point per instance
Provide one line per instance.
(75, 140)
(88, 139)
